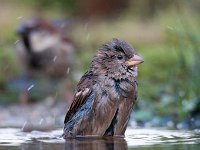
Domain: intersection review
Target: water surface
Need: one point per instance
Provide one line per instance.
(141, 139)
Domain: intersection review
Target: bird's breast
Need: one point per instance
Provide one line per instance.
(124, 88)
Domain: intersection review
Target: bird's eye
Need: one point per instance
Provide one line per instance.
(119, 57)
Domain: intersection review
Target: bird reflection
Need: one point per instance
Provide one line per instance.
(96, 144)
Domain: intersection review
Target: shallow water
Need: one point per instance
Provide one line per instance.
(141, 139)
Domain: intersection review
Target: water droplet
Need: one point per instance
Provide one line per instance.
(88, 36)
(169, 27)
(16, 42)
(54, 59)
(68, 69)
(41, 120)
(24, 125)
(20, 17)
(30, 87)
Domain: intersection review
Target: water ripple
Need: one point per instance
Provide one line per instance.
(133, 138)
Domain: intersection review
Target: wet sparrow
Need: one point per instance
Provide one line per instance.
(105, 94)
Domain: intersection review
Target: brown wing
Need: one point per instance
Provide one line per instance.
(83, 91)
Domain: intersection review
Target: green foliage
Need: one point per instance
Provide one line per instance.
(8, 66)
(8, 69)
(185, 76)
(63, 5)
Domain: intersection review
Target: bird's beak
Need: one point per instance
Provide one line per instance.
(135, 60)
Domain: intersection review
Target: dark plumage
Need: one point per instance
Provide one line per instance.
(105, 94)
(43, 49)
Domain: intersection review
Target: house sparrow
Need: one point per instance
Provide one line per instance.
(43, 49)
(105, 94)
(45, 52)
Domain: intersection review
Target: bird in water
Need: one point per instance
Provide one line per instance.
(105, 94)
(45, 52)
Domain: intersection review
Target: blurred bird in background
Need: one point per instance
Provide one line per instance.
(105, 94)
(44, 50)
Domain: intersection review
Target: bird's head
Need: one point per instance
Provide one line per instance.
(37, 34)
(117, 59)
(33, 24)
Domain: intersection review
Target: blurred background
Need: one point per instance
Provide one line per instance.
(35, 93)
